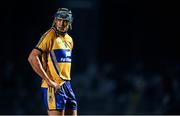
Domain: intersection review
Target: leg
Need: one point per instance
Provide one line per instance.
(55, 113)
(71, 112)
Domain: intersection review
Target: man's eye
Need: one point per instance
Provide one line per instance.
(59, 19)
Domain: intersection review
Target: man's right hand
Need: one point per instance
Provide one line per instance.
(54, 85)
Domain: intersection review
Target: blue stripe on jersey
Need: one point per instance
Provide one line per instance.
(54, 63)
(63, 55)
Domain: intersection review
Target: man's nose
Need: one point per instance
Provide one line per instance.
(61, 22)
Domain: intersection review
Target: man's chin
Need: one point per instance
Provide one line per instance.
(62, 31)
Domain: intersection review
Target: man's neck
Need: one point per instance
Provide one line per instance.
(58, 33)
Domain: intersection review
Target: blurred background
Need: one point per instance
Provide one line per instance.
(125, 57)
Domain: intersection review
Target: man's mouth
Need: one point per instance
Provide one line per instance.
(61, 28)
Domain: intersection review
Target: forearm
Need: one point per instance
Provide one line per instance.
(38, 68)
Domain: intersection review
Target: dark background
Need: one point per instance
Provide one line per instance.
(125, 57)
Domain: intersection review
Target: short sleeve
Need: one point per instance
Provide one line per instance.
(45, 42)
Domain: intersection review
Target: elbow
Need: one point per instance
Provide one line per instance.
(29, 59)
(33, 56)
(32, 59)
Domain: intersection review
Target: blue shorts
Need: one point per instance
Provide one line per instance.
(62, 99)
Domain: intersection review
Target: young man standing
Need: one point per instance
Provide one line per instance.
(51, 60)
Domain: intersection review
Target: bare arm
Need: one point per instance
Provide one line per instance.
(38, 68)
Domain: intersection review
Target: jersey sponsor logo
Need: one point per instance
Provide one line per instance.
(68, 53)
(65, 60)
(63, 55)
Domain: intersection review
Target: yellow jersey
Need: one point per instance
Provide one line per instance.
(56, 56)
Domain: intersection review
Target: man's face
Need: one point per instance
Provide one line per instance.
(62, 25)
